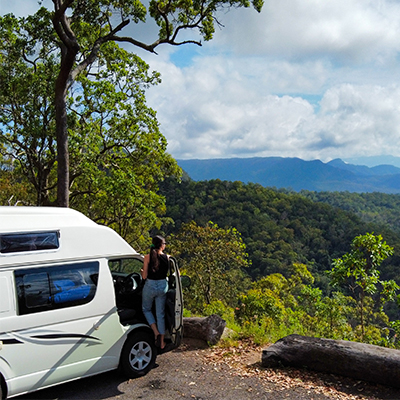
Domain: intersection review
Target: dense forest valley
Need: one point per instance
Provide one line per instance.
(282, 229)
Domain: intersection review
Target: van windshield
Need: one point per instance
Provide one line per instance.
(126, 265)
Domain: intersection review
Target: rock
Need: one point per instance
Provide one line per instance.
(228, 333)
(352, 359)
(209, 329)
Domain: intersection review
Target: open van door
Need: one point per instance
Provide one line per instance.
(174, 306)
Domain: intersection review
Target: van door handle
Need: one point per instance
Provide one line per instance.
(96, 325)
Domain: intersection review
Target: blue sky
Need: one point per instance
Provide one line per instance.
(316, 80)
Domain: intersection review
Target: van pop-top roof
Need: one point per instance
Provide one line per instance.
(32, 234)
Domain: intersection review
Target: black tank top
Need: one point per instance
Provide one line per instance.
(162, 271)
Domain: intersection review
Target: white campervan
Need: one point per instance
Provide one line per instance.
(70, 301)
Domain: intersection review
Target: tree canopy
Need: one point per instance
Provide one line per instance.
(360, 270)
(118, 155)
(279, 229)
(84, 27)
(215, 259)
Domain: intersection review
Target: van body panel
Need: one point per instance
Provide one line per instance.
(23, 385)
(41, 357)
(7, 299)
(81, 340)
(88, 242)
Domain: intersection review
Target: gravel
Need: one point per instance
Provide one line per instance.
(195, 371)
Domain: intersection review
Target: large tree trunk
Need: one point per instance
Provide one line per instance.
(209, 329)
(356, 360)
(69, 49)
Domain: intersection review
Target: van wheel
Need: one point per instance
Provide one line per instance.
(138, 355)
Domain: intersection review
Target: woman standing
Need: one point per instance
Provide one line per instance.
(155, 269)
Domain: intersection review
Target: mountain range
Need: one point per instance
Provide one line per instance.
(297, 174)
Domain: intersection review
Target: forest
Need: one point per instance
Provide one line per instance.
(379, 208)
(292, 241)
(280, 228)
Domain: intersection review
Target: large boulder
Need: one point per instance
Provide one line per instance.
(356, 360)
(209, 329)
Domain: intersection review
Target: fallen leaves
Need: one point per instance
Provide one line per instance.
(244, 361)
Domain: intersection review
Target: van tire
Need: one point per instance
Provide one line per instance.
(138, 355)
(2, 388)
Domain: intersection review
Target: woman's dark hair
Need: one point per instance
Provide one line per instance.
(158, 241)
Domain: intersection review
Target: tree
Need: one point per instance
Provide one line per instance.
(12, 186)
(85, 26)
(326, 316)
(359, 270)
(126, 157)
(214, 258)
(118, 155)
(272, 294)
(27, 72)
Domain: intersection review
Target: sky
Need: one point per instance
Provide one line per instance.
(315, 79)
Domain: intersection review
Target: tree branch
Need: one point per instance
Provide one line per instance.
(61, 24)
(95, 50)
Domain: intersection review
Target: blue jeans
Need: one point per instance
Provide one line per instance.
(155, 290)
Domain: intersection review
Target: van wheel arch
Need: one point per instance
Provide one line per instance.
(138, 355)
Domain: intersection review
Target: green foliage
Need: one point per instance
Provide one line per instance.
(117, 154)
(278, 306)
(27, 74)
(279, 229)
(257, 304)
(288, 296)
(362, 263)
(219, 308)
(50, 51)
(379, 208)
(173, 16)
(12, 187)
(214, 258)
(359, 271)
(325, 316)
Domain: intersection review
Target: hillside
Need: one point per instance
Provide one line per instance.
(378, 208)
(297, 174)
(279, 229)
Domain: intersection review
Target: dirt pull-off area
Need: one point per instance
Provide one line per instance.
(195, 371)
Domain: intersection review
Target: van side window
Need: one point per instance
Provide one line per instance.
(49, 288)
(18, 242)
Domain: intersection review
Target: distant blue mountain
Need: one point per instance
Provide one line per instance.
(297, 174)
(364, 170)
(374, 161)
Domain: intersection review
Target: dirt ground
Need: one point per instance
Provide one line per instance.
(195, 371)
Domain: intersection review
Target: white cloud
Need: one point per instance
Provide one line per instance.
(315, 79)
(366, 118)
(310, 79)
(212, 109)
(342, 30)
